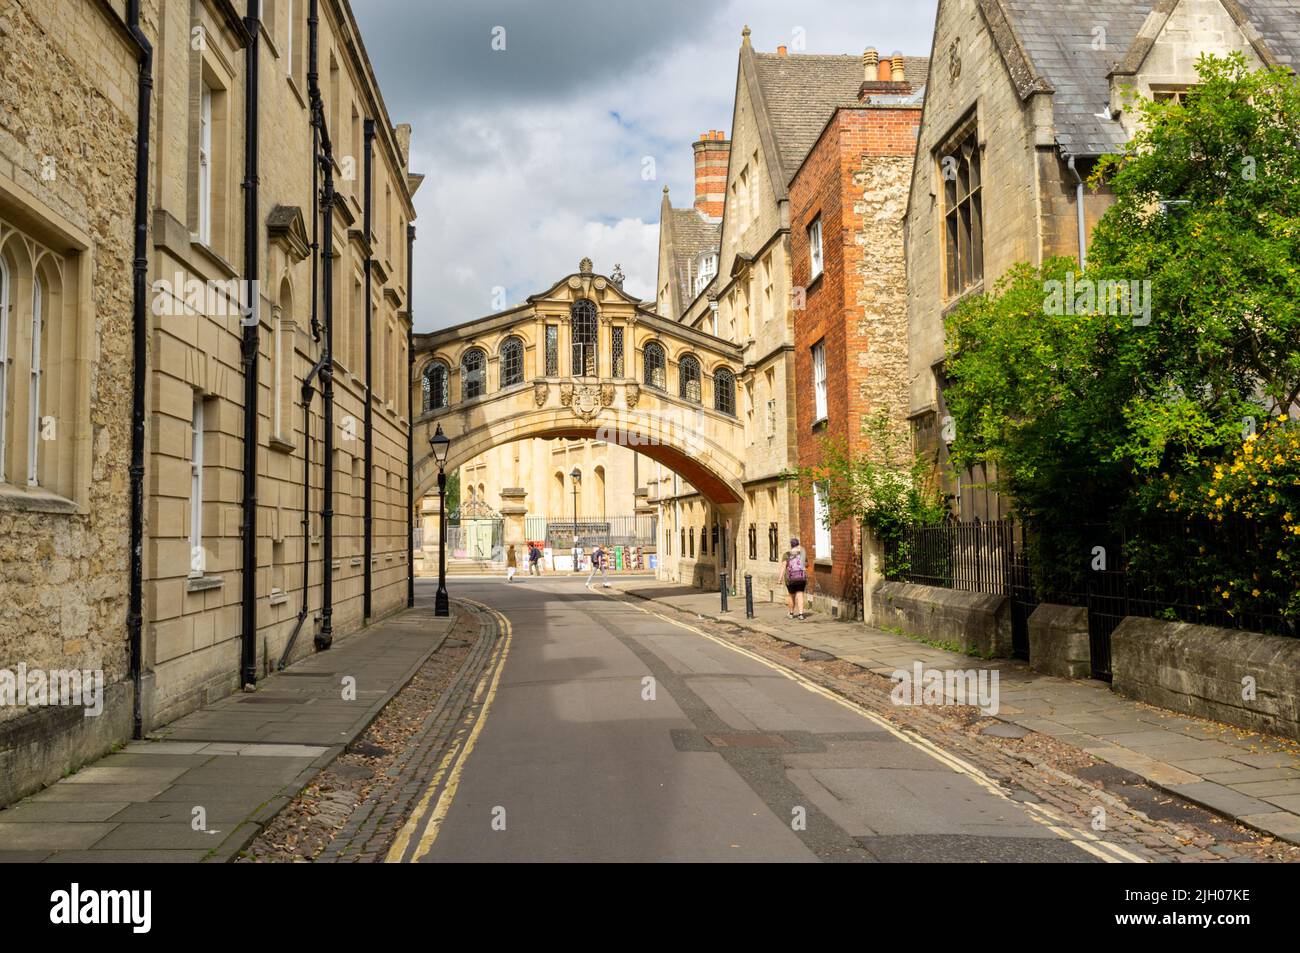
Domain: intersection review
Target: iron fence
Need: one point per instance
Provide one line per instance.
(1186, 571)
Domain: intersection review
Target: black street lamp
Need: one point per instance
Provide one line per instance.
(576, 478)
(440, 443)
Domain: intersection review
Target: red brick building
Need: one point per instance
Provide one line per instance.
(848, 200)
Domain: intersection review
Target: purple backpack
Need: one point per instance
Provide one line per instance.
(794, 571)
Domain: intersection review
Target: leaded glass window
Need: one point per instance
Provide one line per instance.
(512, 362)
(473, 374)
(616, 349)
(653, 359)
(552, 351)
(724, 392)
(435, 386)
(688, 379)
(583, 322)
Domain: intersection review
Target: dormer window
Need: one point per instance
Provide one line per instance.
(706, 270)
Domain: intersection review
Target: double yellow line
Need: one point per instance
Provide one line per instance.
(453, 762)
(1085, 840)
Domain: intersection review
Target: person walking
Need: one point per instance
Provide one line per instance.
(794, 573)
(597, 565)
(534, 560)
(512, 563)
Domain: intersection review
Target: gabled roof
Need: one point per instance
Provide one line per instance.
(689, 235)
(1050, 46)
(798, 93)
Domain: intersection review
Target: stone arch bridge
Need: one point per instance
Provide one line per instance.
(582, 359)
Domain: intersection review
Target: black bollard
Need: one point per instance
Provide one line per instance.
(749, 596)
(724, 592)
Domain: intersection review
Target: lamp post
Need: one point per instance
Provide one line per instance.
(575, 476)
(440, 443)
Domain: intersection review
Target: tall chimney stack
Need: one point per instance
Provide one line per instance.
(870, 63)
(896, 72)
(712, 150)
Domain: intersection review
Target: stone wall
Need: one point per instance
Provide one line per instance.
(980, 623)
(1241, 678)
(67, 171)
(1058, 641)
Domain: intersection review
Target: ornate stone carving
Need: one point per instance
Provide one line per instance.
(541, 391)
(586, 399)
(632, 393)
(584, 266)
(954, 60)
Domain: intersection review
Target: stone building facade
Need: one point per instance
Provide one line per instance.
(783, 101)
(68, 75)
(846, 242)
(1022, 100)
(68, 161)
(192, 553)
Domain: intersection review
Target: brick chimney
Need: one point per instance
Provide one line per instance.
(712, 150)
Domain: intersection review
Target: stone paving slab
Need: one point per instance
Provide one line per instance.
(1228, 770)
(240, 760)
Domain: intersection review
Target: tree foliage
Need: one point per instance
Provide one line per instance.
(1094, 413)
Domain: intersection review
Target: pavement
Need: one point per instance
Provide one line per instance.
(608, 733)
(203, 786)
(1245, 776)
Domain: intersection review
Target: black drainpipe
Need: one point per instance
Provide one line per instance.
(139, 358)
(410, 418)
(308, 391)
(370, 370)
(325, 157)
(252, 345)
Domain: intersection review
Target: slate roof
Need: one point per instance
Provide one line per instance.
(1058, 41)
(801, 90)
(691, 235)
(1278, 22)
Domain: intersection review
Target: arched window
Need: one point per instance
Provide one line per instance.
(583, 321)
(724, 391)
(473, 374)
(434, 381)
(688, 379)
(512, 362)
(653, 361)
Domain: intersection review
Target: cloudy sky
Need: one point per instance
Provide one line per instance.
(560, 144)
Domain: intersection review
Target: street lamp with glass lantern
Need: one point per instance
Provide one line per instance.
(440, 443)
(575, 476)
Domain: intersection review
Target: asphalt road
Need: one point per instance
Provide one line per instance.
(615, 735)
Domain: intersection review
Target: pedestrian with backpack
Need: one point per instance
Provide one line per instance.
(794, 573)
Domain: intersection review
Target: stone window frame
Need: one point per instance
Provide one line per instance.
(584, 338)
(283, 327)
(690, 379)
(773, 542)
(724, 391)
(617, 349)
(427, 385)
(552, 351)
(511, 357)
(654, 371)
(57, 424)
(210, 214)
(468, 378)
(198, 439)
(962, 272)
